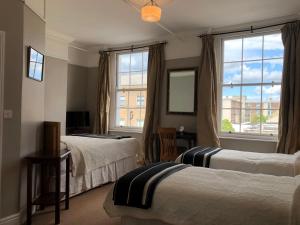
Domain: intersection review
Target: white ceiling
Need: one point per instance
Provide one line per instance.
(115, 22)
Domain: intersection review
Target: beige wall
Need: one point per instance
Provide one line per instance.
(56, 71)
(11, 21)
(33, 95)
(77, 88)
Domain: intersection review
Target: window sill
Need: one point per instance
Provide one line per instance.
(126, 130)
(249, 138)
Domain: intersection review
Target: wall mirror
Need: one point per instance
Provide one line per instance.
(182, 91)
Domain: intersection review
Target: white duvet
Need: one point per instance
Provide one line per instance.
(253, 162)
(89, 154)
(201, 196)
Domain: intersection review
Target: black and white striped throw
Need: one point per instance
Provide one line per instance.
(199, 156)
(136, 188)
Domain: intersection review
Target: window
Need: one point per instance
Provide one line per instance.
(140, 100)
(131, 89)
(251, 84)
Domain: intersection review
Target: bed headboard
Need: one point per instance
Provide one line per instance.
(77, 122)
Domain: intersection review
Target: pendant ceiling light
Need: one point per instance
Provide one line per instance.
(151, 12)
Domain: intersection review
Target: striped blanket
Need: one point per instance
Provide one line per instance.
(136, 188)
(199, 156)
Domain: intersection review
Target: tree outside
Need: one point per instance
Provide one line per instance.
(227, 126)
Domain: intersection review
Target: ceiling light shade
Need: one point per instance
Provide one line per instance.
(151, 13)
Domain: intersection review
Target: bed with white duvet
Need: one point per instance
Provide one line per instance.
(202, 196)
(250, 162)
(96, 161)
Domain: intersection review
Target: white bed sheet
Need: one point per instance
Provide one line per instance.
(253, 162)
(201, 196)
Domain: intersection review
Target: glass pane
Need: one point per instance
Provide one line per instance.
(33, 55)
(133, 95)
(145, 78)
(273, 47)
(123, 62)
(272, 70)
(251, 121)
(230, 120)
(232, 73)
(40, 58)
(231, 97)
(136, 79)
(38, 71)
(134, 115)
(251, 97)
(252, 48)
(270, 120)
(141, 99)
(123, 80)
(145, 60)
(31, 69)
(271, 96)
(233, 50)
(122, 99)
(122, 117)
(136, 61)
(252, 72)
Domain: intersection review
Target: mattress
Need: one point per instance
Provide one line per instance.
(202, 196)
(253, 162)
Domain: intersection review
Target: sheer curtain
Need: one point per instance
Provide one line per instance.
(207, 95)
(289, 115)
(156, 64)
(103, 99)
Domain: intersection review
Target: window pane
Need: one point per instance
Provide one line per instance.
(122, 117)
(251, 97)
(145, 60)
(123, 62)
(137, 79)
(272, 70)
(141, 100)
(123, 80)
(38, 71)
(232, 73)
(33, 55)
(252, 72)
(233, 50)
(273, 47)
(122, 99)
(40, 58)
(230, 120)
(145, 78)
(270, 120)
(251, 121)
(252, 48)
(136, 61)
(271, 96)
(32, 69)
(231, 97)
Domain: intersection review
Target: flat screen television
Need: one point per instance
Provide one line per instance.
(35, 64)
(78, 119)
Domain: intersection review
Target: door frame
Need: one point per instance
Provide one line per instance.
(2, 63)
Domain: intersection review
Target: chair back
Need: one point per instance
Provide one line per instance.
(167, 139)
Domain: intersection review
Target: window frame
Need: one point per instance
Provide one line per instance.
(220, 44)
(117, 89)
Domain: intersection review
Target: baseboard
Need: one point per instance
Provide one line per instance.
(14, 219)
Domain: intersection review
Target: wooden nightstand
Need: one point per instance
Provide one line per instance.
(48, 198)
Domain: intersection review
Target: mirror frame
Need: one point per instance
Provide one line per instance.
(169, 71)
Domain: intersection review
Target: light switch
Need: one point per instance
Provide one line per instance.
(8, 114)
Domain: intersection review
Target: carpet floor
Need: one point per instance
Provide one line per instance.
(85, 209)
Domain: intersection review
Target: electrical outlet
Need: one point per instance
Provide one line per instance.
(8, 114)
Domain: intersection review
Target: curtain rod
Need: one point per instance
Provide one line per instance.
(251, 29)
(132, 47)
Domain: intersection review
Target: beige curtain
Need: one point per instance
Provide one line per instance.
(156, 63)
(103, 98)
(207, 95)
(289, 116)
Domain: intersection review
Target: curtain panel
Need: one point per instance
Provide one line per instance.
(207, 128)
(289, 115)
(156, 67)
(101, 121)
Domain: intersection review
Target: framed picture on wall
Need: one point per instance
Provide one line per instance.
(35, 64)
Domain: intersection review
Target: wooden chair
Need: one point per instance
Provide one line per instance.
(168, 147)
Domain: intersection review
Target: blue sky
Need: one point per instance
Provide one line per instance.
(262, 63)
